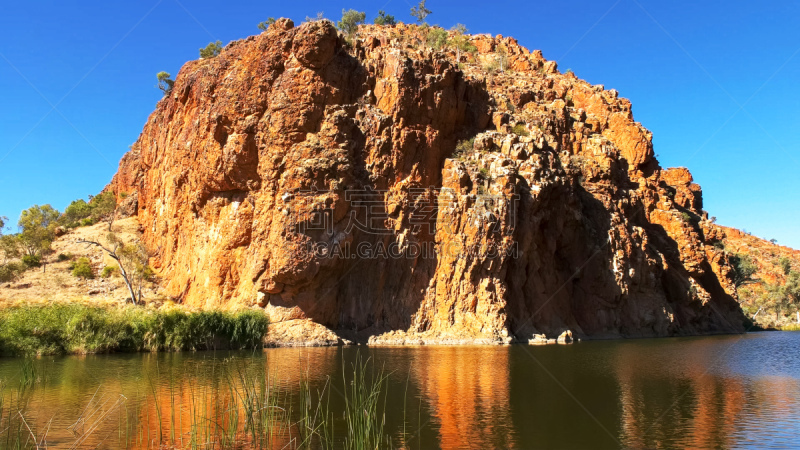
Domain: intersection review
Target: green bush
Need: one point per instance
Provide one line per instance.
(31, 261)
(165, 83)
(102, 205)
(686, 217)
(520, 130)
(437, 38)
(76, 328)
(464, 147)
(350, 21)
(385, 19)
(264, 25)
(792, 287)
(80, 213)
(10, 271)
(65, 256)
(743, 269)
(109, 271)
(211, 50)
(82, 268)
(786, 265)
(461, 42)
(76, 211)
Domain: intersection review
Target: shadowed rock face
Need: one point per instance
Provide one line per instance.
(266, 161)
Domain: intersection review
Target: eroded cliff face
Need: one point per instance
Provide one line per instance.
(320, 180)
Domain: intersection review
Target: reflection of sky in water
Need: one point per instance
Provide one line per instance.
(764, 354)
(699, 392)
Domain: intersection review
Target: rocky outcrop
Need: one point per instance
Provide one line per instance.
(763, 296)
(393, 193)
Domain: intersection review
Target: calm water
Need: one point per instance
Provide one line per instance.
(723, 391)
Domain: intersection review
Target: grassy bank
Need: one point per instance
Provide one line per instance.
(77, 328)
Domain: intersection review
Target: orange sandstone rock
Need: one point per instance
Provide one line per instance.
(266, 161)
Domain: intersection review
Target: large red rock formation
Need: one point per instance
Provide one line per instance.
(555, 220)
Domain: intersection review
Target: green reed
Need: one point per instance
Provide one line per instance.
(316, 420)
(365, 406)
(16, 431)
(28, 374)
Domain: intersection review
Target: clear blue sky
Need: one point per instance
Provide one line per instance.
(716, 82)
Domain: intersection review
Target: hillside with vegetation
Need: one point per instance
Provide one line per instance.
(767, 279)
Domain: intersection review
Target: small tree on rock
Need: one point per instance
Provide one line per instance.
(786, 265)
(103, 206)
(460, 41)
(164, 82)
(320, 16)
(266, 24)
(437, 38)
(420, 12)
(75, 212)
(384, 19)
(99, 208)
(502, 59)
(211, 50)
(350, 21)
(743, 269)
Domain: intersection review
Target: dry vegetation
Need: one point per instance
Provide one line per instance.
(54, 281)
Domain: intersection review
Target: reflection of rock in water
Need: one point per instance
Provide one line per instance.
(202, 393)
(292, 365)
(467, 389)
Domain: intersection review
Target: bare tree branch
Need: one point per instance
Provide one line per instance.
(112, 252)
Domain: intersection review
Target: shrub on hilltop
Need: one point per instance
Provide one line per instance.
(211, 50)
(81, 213)
(351, 19)
(384, 19)
(266, 24)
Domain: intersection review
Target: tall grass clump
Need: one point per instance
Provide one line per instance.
(76, 328)
(365, 406)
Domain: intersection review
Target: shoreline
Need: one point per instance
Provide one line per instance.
(64, 328)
